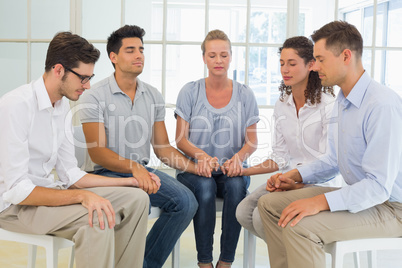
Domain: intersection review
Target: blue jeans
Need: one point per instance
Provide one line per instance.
(179, 206)
(233, 190)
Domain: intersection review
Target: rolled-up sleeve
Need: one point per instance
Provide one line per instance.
(185, 101)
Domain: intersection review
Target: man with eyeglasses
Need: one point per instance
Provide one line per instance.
(107, 222)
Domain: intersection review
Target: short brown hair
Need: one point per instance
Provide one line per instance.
(69, 50)
(340, 35)
(215, 35)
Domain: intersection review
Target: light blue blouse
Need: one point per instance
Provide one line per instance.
(218, 132)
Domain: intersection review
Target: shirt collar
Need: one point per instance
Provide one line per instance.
(42, 97)
(115, 89)
(289, 100)
(357, 93)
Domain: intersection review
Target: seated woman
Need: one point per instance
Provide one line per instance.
(301, 118)
(216, 126)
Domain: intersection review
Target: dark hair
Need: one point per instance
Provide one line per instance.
(69, 50)
(114, 41)
(340, 35)
(215, 35)
(304, 49)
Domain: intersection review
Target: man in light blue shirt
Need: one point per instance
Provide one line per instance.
(364, 145)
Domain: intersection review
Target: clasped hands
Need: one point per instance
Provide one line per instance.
(298, 209)
(147, 181)
(282, 182)
(232, 167)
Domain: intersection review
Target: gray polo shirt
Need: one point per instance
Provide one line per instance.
(128, 125)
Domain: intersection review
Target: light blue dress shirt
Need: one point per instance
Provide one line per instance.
(365, 145)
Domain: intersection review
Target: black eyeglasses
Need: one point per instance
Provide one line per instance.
(84, 78)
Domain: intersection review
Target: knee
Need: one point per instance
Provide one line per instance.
(288, 233)
(270, 204)
(205, 196)
(242, 212)
(257, 224)
(136, 198)
(263, 203)
(236, 188)
(186, 202)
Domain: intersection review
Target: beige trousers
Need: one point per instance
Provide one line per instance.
(301, 246)
(123, 246)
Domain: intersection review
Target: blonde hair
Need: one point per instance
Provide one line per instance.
(215, 35)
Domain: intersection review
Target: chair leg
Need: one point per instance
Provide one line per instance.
(356, 259)
(249, 249)
(337, 262)
(32, 256)
(251, 252)
(245, 248)
(71, 261)
(52, 255)
(372, 259)
(176, 255)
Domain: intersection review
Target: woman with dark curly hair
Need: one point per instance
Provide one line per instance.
(303, 47)
(300, 118)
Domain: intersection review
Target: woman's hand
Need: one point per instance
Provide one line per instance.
(282, 182)
(233, 167)
(207, 164)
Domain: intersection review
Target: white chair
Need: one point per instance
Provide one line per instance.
(249, 241)
(81, 154)
(51, 244)
(155, 213)
(340, 248)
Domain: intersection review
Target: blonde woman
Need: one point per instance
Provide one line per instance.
(216, 123)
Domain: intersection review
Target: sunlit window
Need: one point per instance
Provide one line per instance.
(381, 23)
(175, 30)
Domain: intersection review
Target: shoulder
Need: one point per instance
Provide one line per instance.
(97, 92)
(19, 98)
(18, 105)
(149, 88)
(245, 92)
(282, 103)
(151, 91)
(327, 98)
(378, 95)
(191, 89)
(193, 86)
(243, 88)
(327, 101)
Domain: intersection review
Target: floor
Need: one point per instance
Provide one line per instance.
(14, 255)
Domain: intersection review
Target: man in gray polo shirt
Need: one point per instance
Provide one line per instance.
(122, 116)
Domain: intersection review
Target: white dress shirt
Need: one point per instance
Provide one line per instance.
(35, 137)
(300, 139)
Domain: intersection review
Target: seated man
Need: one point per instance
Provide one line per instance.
(365, 145)
(36, 137)
(122, 116)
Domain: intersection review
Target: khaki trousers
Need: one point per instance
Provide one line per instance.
(123, 246)
(301, 246)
